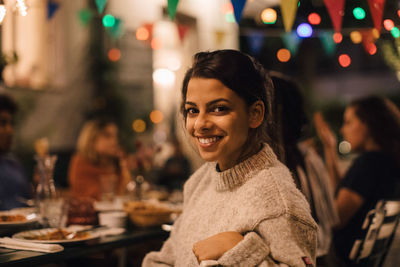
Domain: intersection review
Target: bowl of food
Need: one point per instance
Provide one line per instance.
(144, 214)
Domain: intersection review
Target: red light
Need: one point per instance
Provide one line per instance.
(314, 19)
(388, 24)
(337, 37)
(398, 12)
(371, 47)
(142, 34)
(344, 60)
(155, 44)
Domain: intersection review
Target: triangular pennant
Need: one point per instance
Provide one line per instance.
(336, 12)
(289, 10)
(172, 6)
(238, 6)
(101, 5)
(376, 9)
(255, 41)
(327, 42)
(368, 40)
(85, 15)
(51, 8)
(182, 30)
(291, 41)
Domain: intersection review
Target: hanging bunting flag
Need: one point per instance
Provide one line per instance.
(52, 7)
(101, 5)
(291, 41)
(327, 42)
(219, 37)
(182, 30)
(255, 41)
(376, 9)
(172, 6)
(336, 12)
(238, 6)
(368, 40)
(85, 15)
(289, 10)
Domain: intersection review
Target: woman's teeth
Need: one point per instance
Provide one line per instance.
(209, 140)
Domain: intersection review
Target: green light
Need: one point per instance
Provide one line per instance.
(229, 17)
(395, 32)
(298, 4)
(108, 20)
(359, 13)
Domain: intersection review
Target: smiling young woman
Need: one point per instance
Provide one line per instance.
(241, 208)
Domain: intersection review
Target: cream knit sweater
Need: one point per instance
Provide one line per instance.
(256, 198)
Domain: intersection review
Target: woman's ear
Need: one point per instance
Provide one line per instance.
(256, 114)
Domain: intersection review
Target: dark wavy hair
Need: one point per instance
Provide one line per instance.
(382, 118)
(8, 104)
(246, 77)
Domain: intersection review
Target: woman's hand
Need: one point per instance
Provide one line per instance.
(213, 247)
(324, 132)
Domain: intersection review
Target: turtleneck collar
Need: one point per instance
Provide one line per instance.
(240, 173)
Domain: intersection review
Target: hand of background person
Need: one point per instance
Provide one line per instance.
(213, 247)
(324, 131)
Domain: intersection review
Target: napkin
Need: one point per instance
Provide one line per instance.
(7, 242)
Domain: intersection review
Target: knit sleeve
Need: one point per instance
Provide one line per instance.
(275, 242)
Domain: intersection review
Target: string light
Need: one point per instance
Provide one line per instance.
(21, 6)
(314, 18)
(3, 12)
(356, 37)
(108, 20)
(344, 60)
(337, 37)
(304, 30)
(114, 54)
(371, 48)
(283, 55)
(139, 125)
(142, 34)
(395, 32)
(359, 13)
(388, 24)
(164, 77)
(155, 44)
(268, 16)
(156, 116)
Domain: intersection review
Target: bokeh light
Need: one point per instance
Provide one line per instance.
(108, 20)
(344, 147)
(359, 13)
(304, 30)
(268, 16)
(3, 12)
(114, 54)
(142, 34)
(229, 17)
(314, 18)
(283, 55)
(395, 32)
(160, 137)
(372, 49)
(344, 60)
(227, 8)
(375, 33)
(356, 37)
(139, 126)
(398, 12)
(155, 44)
(164, 77)
(388, 24)
(156, 116)
(337, 37)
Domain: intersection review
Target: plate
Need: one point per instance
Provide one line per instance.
(27, 235)
(29, 218)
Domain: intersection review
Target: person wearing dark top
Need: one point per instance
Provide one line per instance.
(14, 187)
(372, 127)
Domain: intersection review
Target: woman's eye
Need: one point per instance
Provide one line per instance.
(191, 111)
(220, 109)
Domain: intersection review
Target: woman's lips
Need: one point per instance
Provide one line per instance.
(208, 141)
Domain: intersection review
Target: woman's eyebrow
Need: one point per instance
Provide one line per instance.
(209, 103)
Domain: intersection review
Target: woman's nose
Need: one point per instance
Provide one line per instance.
(202, 123)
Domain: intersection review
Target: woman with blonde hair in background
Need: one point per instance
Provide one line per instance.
(98, 157)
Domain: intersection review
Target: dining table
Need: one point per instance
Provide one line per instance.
(132, 237)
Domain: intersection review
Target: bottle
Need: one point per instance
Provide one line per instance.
(45, 194)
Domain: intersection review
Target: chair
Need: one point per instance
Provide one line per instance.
(380, 227)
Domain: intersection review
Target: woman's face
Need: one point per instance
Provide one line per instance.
(106, 143)
(354, 130)
(217, 121)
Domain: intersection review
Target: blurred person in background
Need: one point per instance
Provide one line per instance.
(372, 127)
(307, 167)
(98, 159)
(15, 189)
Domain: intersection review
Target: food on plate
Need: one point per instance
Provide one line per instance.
(57, 234)
(12, 218)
